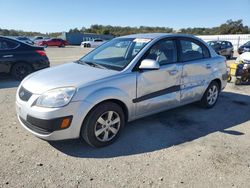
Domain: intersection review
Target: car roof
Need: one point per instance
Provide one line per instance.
(10, 38)
(218, 41)
(156, 35)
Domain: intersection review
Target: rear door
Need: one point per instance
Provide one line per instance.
(158, 90)
(197, 69)
(224, 48)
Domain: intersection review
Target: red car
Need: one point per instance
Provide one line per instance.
(52, 42)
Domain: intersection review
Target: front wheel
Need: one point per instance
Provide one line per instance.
(211, 95)
(103, 125)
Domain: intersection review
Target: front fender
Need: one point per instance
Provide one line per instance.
(111, 93)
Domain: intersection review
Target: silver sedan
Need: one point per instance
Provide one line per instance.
(127, 78)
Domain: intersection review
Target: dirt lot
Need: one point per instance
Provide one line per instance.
(184, 147)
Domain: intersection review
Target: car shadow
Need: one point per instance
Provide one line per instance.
(7, 82)
(169, 128)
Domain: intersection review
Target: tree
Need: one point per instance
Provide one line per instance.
(233, 27)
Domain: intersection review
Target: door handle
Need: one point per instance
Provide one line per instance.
(208, 66)
(173, 72)
(7, 56)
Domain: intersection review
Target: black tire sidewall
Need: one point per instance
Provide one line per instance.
(14, 70)
(204, 101)
(88, 132)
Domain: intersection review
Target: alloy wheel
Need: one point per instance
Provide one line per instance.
(107, 126)
(212, 95)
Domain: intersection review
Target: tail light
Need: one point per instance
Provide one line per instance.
(41, 52)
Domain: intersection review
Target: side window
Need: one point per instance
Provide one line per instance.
(163, 51)
(191, 50)
(224, 45)
(98, 40)
(7, 44)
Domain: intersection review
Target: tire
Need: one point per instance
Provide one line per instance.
(238, 81)
(20, 70)
(229, 78)
(231, 55)
(62, 45)
(89, 45)
(211, 95)
(97, 129)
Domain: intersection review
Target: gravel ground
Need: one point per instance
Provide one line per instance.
(185, 147)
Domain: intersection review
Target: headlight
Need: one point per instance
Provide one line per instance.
(56, 98)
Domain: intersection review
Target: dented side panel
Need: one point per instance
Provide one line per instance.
(158, 90)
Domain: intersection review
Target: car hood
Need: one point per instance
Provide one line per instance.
(245, 56)
(70, 74)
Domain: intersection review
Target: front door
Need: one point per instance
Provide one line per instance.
(158, 90)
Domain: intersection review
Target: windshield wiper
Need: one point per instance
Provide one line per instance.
(92, 64)
(81, 62)
(95, 65)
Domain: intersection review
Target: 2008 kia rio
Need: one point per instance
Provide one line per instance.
(122, 80)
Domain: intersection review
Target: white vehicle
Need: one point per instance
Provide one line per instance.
(92, 44)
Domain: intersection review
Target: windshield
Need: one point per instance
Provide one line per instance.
(115, 54)
(247, 44)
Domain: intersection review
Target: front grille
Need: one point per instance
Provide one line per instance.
(24, 94)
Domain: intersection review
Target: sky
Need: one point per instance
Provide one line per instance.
(58, 15)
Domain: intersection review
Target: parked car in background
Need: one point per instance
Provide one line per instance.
(224, 48)
(124, 79)
(244, 48)
(25, 39)
(92, 44)
(20, 59)
(40, 38)
(52, 42)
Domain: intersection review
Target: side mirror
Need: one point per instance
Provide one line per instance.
(149, 64)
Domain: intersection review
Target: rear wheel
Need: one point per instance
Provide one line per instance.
(62, 45)
(231, 55)
(238, 81)
(211, 95)
(20, 70)
(103, 125)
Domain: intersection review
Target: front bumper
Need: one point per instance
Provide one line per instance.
(44, 126)
(45, 122)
